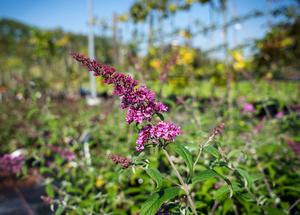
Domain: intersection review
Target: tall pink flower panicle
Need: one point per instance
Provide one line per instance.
(99, 69)
(140, 102)
(10, 164)
(166, 131)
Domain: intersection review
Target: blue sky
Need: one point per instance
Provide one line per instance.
(71, 15)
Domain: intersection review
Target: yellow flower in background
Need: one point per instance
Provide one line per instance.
(155, 64)
(239, 65)
(220, 68)
(237, 56)
(63, 41)
(173, 7)
(123, 18)
(287, 42)
(152, 51)
(100, 182)
(185, 34)
(269, 75)
(239, 61)
(189, 1)
(186, 56)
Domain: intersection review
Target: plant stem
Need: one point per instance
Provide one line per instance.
(210, 138)
(183, 184)
(293, 205)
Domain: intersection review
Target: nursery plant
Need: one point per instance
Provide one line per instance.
(155, 133)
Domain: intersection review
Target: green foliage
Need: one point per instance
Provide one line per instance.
(212, 150)
(184, 154)
(156, 176)
(278, 51)
(227, 165)
(155, 201)
(242, 171)
(204, 175)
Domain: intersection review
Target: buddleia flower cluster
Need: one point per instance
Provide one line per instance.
(10, 164)
(140, 102)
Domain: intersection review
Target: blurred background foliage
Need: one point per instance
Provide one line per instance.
(42, 105)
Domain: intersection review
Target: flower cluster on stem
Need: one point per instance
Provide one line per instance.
(140, 102)
(141, 105)
(120, 160)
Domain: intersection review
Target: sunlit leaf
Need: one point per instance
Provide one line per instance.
(155, 201)
(212, 150)
(156, 176)
(204, 175)
(185, 155)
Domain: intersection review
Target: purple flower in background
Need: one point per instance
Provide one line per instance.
(258, 128)
(295, 147)
(10, 164)
(279, 115)
(64, 153)
(248, 108)
(68, 155)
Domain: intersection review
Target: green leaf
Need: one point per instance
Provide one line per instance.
(185, 154)
(169, 194)
(272, 210)
(155, 201)
(50, 190)
(150, 206)
(222, 193)
(31, 113)
(212, 150)
(88, 187)
(234, 153)
(161, 117)
(204, 175)
(247, 178)
(156, 176)
(59, 210)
